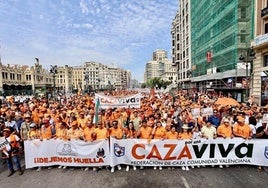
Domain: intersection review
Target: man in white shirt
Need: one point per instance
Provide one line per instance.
(208, 131)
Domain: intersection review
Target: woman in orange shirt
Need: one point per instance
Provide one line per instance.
(130, 131)
(185, 134)
(61, 131)
(172, 134)
(159, 132)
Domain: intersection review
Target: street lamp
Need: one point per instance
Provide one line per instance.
(54, 71)
(247, 57)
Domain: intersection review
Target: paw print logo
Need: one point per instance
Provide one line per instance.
(100, 153)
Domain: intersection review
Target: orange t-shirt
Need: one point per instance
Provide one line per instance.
(160, 133)
(172, 135)
(117, 133)
(88, 133)
(224, 130)
(61, 133)
(46, 132)
(242, 131)
(101, 133)
(184, 135)
(75, 134)
(145, 133)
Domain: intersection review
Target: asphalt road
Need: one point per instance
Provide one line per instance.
(234, 176)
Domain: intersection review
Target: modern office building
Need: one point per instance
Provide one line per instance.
(221, 31)
(160, 67)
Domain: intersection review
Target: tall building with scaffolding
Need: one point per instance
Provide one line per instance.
(221, 30)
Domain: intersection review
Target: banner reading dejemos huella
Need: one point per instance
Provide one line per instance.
(189, 152)
(132, 101)
(67, 153)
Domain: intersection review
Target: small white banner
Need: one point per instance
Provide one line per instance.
(195, 112)
(265, 118)
(3, 142)
(207, 111)
(67, 153)
(132, 101)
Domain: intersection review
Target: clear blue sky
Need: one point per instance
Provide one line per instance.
(70, 32)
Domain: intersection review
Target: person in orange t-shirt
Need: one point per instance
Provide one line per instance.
(61, 131)
(115, 131)
(225, 129)
(100, 132)
(130, 130)
(241, 129)
(185, 133)
(88, 131)
(144, 132)
(75, 132)
(82, 120)
(159, 132)
(172, 134)
(46, 131)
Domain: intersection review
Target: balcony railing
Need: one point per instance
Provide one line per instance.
(264, 11)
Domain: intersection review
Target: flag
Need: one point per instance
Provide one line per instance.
(97, 108)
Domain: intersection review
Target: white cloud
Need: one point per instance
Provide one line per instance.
(108, 31)
(84, 7)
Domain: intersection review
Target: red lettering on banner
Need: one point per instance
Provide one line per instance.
(154, 153)
(41, 160)
(134, 152)
(185, 153)
(88, 160)
(171, 149)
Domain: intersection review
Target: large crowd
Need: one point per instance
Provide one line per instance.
(161, 116)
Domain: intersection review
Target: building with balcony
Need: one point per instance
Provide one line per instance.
(92, 76)
(22, 79)
(181, 48)
(260, 45)
(220, 32)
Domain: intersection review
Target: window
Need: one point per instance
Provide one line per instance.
(243, 13)
(265, 60)
(266, 28)
(242, 38)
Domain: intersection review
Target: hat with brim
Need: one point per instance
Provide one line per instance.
(6, 130)
(32, 125)
(185, 126)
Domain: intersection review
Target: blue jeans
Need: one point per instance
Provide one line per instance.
(14, 159)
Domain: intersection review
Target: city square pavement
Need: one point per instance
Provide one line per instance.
(234, 176)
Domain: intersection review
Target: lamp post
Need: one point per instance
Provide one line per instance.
(247, 57)
(54, 71)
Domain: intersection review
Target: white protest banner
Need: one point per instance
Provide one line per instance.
(189, 153)
(3, 142)
(265, 118)
(195, 112)
(67, 153)
(207, 111)
(132, 101)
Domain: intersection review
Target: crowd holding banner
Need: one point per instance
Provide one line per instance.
(140, 152)
(134, 128)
